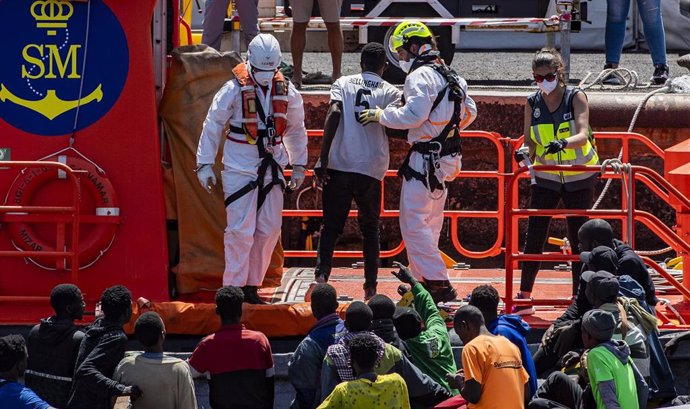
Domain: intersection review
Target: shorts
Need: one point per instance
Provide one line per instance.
(330, 10)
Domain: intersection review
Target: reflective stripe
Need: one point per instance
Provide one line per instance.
(48, 376)
(280, 98)
(279, 115)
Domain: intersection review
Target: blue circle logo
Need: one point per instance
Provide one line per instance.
(64, 64)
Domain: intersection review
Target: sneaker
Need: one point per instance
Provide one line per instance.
(522, 309)
(660, 75)
(369, 291)
(612, 78)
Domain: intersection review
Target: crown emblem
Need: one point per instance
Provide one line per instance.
(51, 14)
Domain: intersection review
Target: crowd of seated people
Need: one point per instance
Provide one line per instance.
(602, 353)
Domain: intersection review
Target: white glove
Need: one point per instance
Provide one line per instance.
(206, 177)
(297, 177)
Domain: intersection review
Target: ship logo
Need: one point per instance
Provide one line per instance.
(69, 69)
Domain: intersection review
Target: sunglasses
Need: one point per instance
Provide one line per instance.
(541, 78)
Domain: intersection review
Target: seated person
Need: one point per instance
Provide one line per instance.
(485, 297)
(153, 371)
(102, 348)
(53, 347)
(607, 368)
(492, 375)
(12, 366)
(424, 332)
(304, 368)
(602, 292)
(369, 390)
(382, 325)
(237, 361)
(423, 390)
(598, 232)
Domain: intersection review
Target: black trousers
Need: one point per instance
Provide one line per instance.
(558, 391)
(538, 228)
(338, 193)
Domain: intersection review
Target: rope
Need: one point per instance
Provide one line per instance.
(650, 253)
(629, 78)
(630, 129)
(83, 72)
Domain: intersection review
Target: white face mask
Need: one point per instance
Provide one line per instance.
(547, 87)
(263, 78)
(405, 65)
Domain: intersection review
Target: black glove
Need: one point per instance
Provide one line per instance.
(556, 146)
(404, 274)
(519, 155)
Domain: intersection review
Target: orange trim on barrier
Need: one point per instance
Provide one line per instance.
(274, 320)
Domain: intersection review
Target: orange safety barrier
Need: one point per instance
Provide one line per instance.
(275, 320)
(454, 215)
(627, 213)
(60, 215)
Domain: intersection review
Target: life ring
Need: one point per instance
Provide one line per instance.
(94, 183)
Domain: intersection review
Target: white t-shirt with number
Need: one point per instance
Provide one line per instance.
(361, 148)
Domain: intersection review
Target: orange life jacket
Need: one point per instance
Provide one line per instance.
(279, 100)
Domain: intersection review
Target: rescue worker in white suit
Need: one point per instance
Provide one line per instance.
(266, 132)
(436, 108)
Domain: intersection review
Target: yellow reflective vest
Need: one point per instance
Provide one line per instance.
(549, 126)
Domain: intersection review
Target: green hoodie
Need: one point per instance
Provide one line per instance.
(431, 350)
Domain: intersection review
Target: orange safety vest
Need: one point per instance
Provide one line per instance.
(279, 100)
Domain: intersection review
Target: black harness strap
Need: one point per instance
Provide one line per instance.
(446, 143)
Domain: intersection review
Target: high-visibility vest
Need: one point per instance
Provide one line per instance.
(250, 105)
(549, 126)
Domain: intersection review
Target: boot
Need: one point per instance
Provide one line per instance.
(441, 291)
(251, 295)
(369, 291)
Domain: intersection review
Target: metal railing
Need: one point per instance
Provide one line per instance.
(635, 173)
(453, 215)
(59, 215)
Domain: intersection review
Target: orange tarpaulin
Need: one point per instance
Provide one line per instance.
(277, 320)
(196, 74)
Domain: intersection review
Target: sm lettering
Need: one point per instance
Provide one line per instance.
(34, 55)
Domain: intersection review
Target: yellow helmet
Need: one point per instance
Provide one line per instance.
(404, 31)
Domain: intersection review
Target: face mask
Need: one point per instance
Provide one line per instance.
(263, 78)
(405, 66)
(547, 87)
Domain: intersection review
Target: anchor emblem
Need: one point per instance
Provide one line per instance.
(51, 106)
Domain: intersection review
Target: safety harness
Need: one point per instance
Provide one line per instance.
(448, 141)
(264, 139)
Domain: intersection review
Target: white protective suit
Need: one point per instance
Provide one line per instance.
(421, 217)
(250, 235)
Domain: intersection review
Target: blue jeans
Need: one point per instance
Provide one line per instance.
(652, 22)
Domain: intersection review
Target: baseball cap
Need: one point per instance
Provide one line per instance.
(601, 258)
(603, 285)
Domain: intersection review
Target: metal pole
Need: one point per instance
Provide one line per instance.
(629, 204)
(565, 43)
(160, 20)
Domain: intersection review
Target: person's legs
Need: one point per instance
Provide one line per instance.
(653, 25)
(537, 230)
(330, 12)
(544, 360)
(248, 10)
(560, 389)
(301, 12)
(581, 199)
(239, 233)
(616, 16)
(367, 194)
(214, 17)
(269, 219)
(337, 198)
(422, 246)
